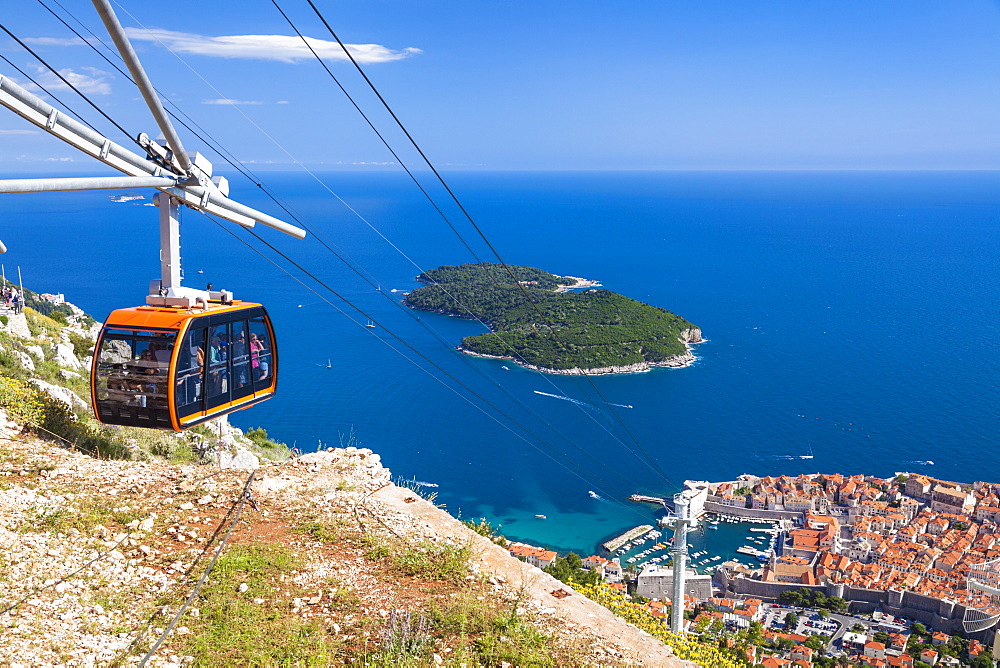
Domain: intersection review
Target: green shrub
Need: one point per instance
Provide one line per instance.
(39, 323)
(434, 562)
(426, 560)
(501, 635)
(269, 448)
(484, 528)
(82, 345)
(319, 532)
(10, 365)
(24, 403)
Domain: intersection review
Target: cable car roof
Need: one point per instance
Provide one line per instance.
(162, 317)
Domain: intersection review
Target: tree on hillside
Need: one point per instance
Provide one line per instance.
(791, 621)
(981, 661)
(570, 569)
(754, 632)
(918, 629)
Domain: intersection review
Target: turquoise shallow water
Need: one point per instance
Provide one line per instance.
(852, 315)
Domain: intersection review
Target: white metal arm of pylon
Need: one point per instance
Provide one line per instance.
(124, 47)
(205, 193)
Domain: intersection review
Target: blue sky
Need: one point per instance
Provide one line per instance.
(551, 85)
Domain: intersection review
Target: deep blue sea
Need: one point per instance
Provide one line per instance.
(851, 315)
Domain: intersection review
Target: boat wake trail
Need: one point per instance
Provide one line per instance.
(594, 495)
(569, 399)
(424, 484)
(577, 401)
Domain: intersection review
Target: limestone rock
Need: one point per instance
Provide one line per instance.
(62, 394)
(231, 457)
(8, 429)
(692, 335)
(25, 359)
(66, 357)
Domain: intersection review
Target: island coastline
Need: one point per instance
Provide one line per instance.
(676, 362)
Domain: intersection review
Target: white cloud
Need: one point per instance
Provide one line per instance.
(282, 48)
(18, 132)
(54, 41)
(228, 101)
(59, 160)
(90, 80)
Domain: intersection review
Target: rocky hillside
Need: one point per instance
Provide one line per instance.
(320, 560)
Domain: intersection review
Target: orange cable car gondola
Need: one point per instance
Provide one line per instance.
(166, 368)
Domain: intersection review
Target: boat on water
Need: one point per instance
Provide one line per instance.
(540, 517)
(593, 494)
(370, 324)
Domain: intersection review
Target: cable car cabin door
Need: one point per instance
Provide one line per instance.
(226, 360)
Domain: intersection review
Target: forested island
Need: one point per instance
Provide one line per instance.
(556, 331)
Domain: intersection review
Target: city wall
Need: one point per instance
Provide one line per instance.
(750, 513)
(941, 615)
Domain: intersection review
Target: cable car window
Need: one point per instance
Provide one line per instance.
(240, 356)
(218, 365)
(131, 386)
(190, 372)
(261, 354)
